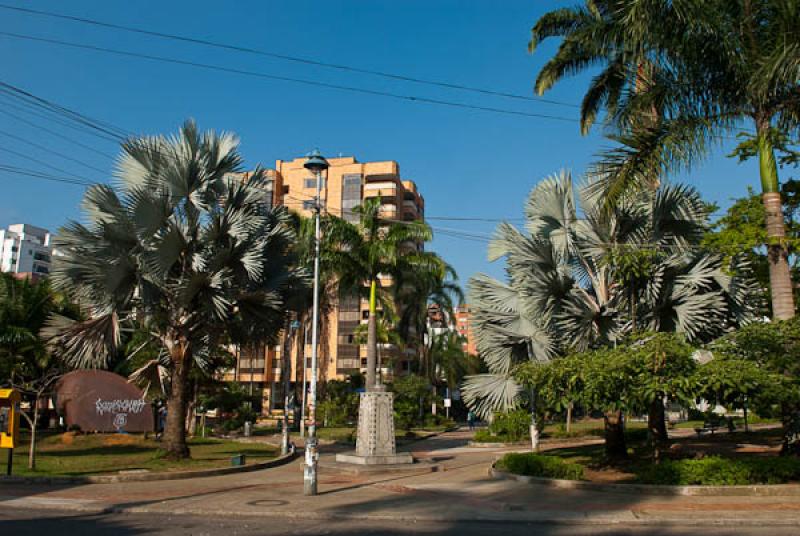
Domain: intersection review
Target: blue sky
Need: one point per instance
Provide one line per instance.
(466, 163)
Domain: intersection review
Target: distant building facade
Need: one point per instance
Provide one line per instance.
(25, 250)
(346, 185)
(464, 328)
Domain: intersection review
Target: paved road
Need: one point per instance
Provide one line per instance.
(37, 523)
(461, 494)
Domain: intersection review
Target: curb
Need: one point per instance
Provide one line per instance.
(482, 445)
(146, 477)
(757, 490)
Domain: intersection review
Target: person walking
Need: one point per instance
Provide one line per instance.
(471, 420)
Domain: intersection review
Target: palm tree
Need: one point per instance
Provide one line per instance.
(181, 247)
(365, 256)
(713, 67)
(449, 361)
(416, 290)
(565, 292)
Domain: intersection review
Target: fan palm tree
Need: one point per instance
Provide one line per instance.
(179, 246)
(366, 255)
(564, 292)
(713, 67)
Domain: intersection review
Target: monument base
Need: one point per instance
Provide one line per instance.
(375, 444)
(395, 459)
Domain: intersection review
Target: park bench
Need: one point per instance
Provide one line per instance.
(708, 427)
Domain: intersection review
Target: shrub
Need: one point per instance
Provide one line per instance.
(717, 471)
(412, 401)
(530, 464)
(511, 426)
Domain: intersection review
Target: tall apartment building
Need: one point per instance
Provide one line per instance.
(25, 250)
(464, 328)
(346, 185)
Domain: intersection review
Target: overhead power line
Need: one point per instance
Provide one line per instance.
(40, 162)
(56, 134)
(51, 151)
(287, 57)
(267, 76)
(44, 176)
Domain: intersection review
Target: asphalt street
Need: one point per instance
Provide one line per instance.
(42, 522)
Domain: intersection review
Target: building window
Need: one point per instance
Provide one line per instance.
(308, 204)
(351, 196)
(286, 189)
(310, 183)
(365, 315)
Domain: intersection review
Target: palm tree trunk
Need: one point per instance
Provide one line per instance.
(614, 426)
(779, 275)
(175, 432)
(372, 340)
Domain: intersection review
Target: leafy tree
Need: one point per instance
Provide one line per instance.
(634, 377)
(25, 362)
(181, 247)
(702, 70)
(412, 397)
(741, 232)
(772, 347)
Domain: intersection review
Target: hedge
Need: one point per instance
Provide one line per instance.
(530, 464)
(717, 471)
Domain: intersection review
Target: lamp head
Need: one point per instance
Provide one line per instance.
(315, 162)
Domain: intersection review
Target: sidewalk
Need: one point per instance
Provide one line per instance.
(461, 491)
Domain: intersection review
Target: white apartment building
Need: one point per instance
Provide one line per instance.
(25, 249)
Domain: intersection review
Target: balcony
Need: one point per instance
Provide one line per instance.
(383, 185)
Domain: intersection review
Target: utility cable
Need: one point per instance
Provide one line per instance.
(286, 57)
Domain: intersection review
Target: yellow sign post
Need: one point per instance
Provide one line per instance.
(9, 422)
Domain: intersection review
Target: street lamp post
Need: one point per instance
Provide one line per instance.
(316, 164)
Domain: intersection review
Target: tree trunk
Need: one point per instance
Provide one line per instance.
(34, 423)
(175, 432)
(614, 425)
(778, 258)
(657, 427)
(372, 340)
(191, 418)
(285, 373)
(569, 417)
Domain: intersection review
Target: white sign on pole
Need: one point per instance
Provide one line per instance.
(447, 402)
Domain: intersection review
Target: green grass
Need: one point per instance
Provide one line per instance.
(77, 455)
(738, 421)
(585, 428)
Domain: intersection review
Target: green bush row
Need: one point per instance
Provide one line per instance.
(530, 464)
(717, 471)
(486, 436)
